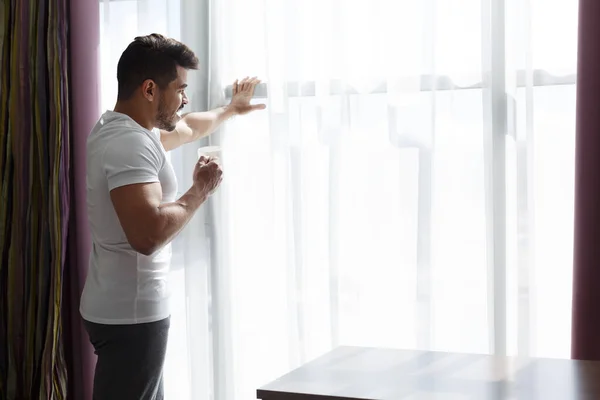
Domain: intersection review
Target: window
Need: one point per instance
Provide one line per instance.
(410, 185)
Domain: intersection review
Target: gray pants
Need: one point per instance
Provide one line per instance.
(130, 360)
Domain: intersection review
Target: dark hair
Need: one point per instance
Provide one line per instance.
(153, 57)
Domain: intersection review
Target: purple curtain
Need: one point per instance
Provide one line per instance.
(586, 278)
(35, 193)
(85, 110)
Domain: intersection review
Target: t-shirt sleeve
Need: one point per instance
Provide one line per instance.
(131, 158)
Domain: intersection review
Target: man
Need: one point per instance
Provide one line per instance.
(134, 213)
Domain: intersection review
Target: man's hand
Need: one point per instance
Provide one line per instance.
(148, 224)
(207, 176)
(242, 94)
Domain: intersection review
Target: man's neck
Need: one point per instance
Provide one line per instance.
(134, 112)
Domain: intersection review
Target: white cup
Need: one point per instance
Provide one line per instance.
(210, 151)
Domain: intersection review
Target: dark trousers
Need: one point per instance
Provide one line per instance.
(130, 360)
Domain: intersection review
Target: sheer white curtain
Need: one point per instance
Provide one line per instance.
(410, 184)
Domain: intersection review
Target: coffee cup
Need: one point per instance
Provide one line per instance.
(210, 151)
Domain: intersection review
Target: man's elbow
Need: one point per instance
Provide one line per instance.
(146, 250)
(146, 246)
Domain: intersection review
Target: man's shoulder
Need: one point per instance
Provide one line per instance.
(117, 126)
(120, 133)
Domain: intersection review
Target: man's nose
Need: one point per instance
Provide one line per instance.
(185, 99)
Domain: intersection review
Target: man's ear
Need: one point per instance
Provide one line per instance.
(149, 88)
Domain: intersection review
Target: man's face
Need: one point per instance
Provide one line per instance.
(171, 100)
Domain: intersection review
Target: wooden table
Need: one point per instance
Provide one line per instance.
(365, 373)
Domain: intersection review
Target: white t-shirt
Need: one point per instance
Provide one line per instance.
(123, 286)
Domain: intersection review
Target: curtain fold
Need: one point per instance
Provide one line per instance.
(84, 78)
(35, 158)
(586, 319)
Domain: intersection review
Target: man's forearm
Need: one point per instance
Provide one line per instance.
(204, 123)
(171, 218)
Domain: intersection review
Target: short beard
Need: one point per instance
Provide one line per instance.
(164, 120)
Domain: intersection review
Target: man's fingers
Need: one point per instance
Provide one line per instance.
(209, 162)
(255, 82)
(213, 164)
(259, 106)
(253, 86)
(244, 83)
(250, 84)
